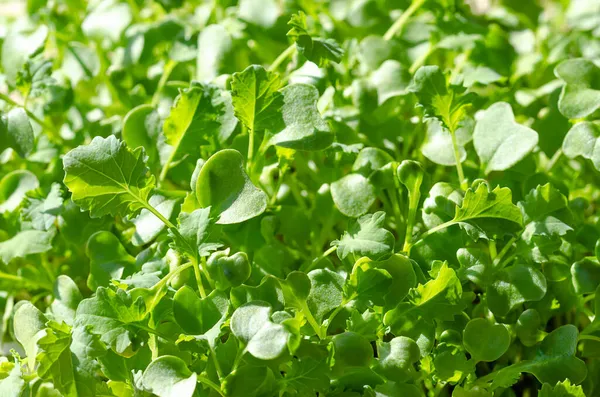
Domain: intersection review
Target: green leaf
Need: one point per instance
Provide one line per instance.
(18, 45)
(255, 96)
(198, 234)
(501, 142)
(108, 259)
(142, 127)
(367, 281)
(66, 299)
(115, 317)
(105, 177)
(315, 49)
(528, 327)
(561, 389)
(301, 127)
(147, 225)
(438, 143)
(396, 358)
(251, 324)
(29, 326)
(546, 212)
(366, 236)
(353, 195)
(585, 274)
(581, 140)
(228, 271)
(66, 371)
(554, 361)
(484, 340)
(438, 298)
(13, 385)
(202, 318)
(42, 212)
(16, 132)
(25, 243)
(350, 350)
(439, 100)
(486, 213)
(224, 186)
(326, 292)
(200, 114)
(580, 96)
(13, 188)
(513, 286)
(169, 376)
(306, 376)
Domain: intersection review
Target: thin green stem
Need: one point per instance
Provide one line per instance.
(216, 363)
(395, 204)
(169, 66)
(397, 27)
(420, 61)
(459, 169)
(504, 251)
(554, 159)
(492, 248)
(413, 203)
(211, 384)
(250, 150)
(160, 216)
(288, 52)
(282, 173)
(198, 278)
(167, 165)
(172, 193)
(335, 313)
(430, 232)
(318, 259)
(312, 321)
(589, 337)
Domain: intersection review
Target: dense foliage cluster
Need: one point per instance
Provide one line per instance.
(256, 198)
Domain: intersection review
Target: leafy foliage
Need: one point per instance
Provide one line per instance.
(257, 198)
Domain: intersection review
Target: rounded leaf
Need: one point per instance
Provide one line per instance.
(351, 350)
(353, 195)
(169, 376)
(224, 186)
(13, 187)
(486, 341)
(228, 271)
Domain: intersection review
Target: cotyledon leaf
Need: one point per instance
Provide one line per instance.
(224, 186)
(501, 142)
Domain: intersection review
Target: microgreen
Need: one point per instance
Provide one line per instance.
(300, 198)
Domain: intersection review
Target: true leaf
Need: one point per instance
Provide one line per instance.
(105, 177)
(488, 213)
(115, 317)
(366, 236)
(254, 91)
